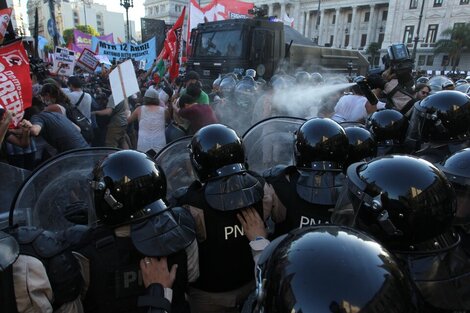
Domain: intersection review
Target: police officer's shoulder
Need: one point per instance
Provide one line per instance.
(278, 170)
(38, 242)
(179, 194)
(74, 235)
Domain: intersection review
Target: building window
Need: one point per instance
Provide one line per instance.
(331, 40)
(408, 35)
(413, 4)
(432, 33)
(384, 15)
(367, 17)
(421, 60)
(381, 38)
(464, 2)
(430, 60)
(156, 9)
(363, 40)
(458, 25)
(346, 40)
(349, 17)
(445, 60)
(334, 19)
(438, 3)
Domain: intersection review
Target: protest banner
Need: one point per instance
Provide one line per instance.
(83, 40)
(5, 16)
(217, 10)
(15, 83)
(88, 61)
(123, 82)
(146, 51)
(64, 62)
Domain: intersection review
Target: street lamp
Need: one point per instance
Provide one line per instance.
(350, 67)
(127, 4)
(416, 39)
(85, 3)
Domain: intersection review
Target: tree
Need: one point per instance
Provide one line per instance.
(374, 51)
(455, 42)
(68, 33)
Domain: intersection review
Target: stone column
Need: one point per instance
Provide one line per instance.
(307, 24)
(321, 26)
(270, 9)
(283, 11)
(336, 37)
(370, 31)
(296, 15)
(353, 30)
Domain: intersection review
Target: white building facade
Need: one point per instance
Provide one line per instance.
(70, 13)
(354, 24)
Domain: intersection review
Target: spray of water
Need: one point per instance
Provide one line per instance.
(305, 101)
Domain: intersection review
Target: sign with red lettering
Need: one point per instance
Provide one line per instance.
(87, 61)
(16, 91)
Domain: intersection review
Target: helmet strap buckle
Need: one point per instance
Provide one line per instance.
(111, 201)
(387, 225)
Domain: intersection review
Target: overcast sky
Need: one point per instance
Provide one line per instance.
(135, 13)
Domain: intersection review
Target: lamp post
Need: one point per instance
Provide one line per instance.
(127, 4)
(350, 67)
(416, 39)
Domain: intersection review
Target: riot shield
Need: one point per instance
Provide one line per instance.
(57, 194)
(176, 164)
(270, 142)
(11, 178)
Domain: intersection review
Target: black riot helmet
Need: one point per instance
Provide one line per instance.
(227, 85)
(316, 78)
(321, 140)
(362, 144)
(302, 77)
(245, 92)
(388, 126)
(328, 268)
(9, 251)
(457, 169)
(216, 151)
(401, 200)
(125, 184)
(441, 117)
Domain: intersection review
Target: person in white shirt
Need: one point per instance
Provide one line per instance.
(354, 107)
(75, 85)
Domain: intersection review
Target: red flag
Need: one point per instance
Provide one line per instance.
(16, 90)
(5, 16)
(172, 45)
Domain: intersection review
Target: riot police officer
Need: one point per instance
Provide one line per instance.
(327, 268)
(225, 187)
(408, 205)
(307, 192)
(134, 223)
(389, 130)
(440, 125)
(37, 272)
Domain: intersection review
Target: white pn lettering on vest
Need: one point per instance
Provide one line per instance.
(234, 231)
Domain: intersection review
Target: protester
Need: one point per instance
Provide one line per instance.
(422, 91)
(82, 100)
(54, 99)
(152, 118)
(198, 115)
(56, 129)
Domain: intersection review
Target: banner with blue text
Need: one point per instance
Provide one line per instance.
(146, 51)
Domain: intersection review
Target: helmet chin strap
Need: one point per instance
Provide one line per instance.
(111, 201)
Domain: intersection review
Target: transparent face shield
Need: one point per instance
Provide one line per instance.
(59, 194)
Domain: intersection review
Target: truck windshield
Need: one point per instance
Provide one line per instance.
(220, 43)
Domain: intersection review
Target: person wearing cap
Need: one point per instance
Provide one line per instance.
(152, 117)
(191, 78)
(82, 100)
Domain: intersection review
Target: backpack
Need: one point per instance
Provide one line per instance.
(77, 117)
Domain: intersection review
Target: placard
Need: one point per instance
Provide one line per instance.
(88, 61)
(64, 62)
(123, 81)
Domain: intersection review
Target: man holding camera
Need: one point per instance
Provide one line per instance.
(396, 82)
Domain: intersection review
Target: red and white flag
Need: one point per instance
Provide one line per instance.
(16, 90)
(5, 17)
(217, 10)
